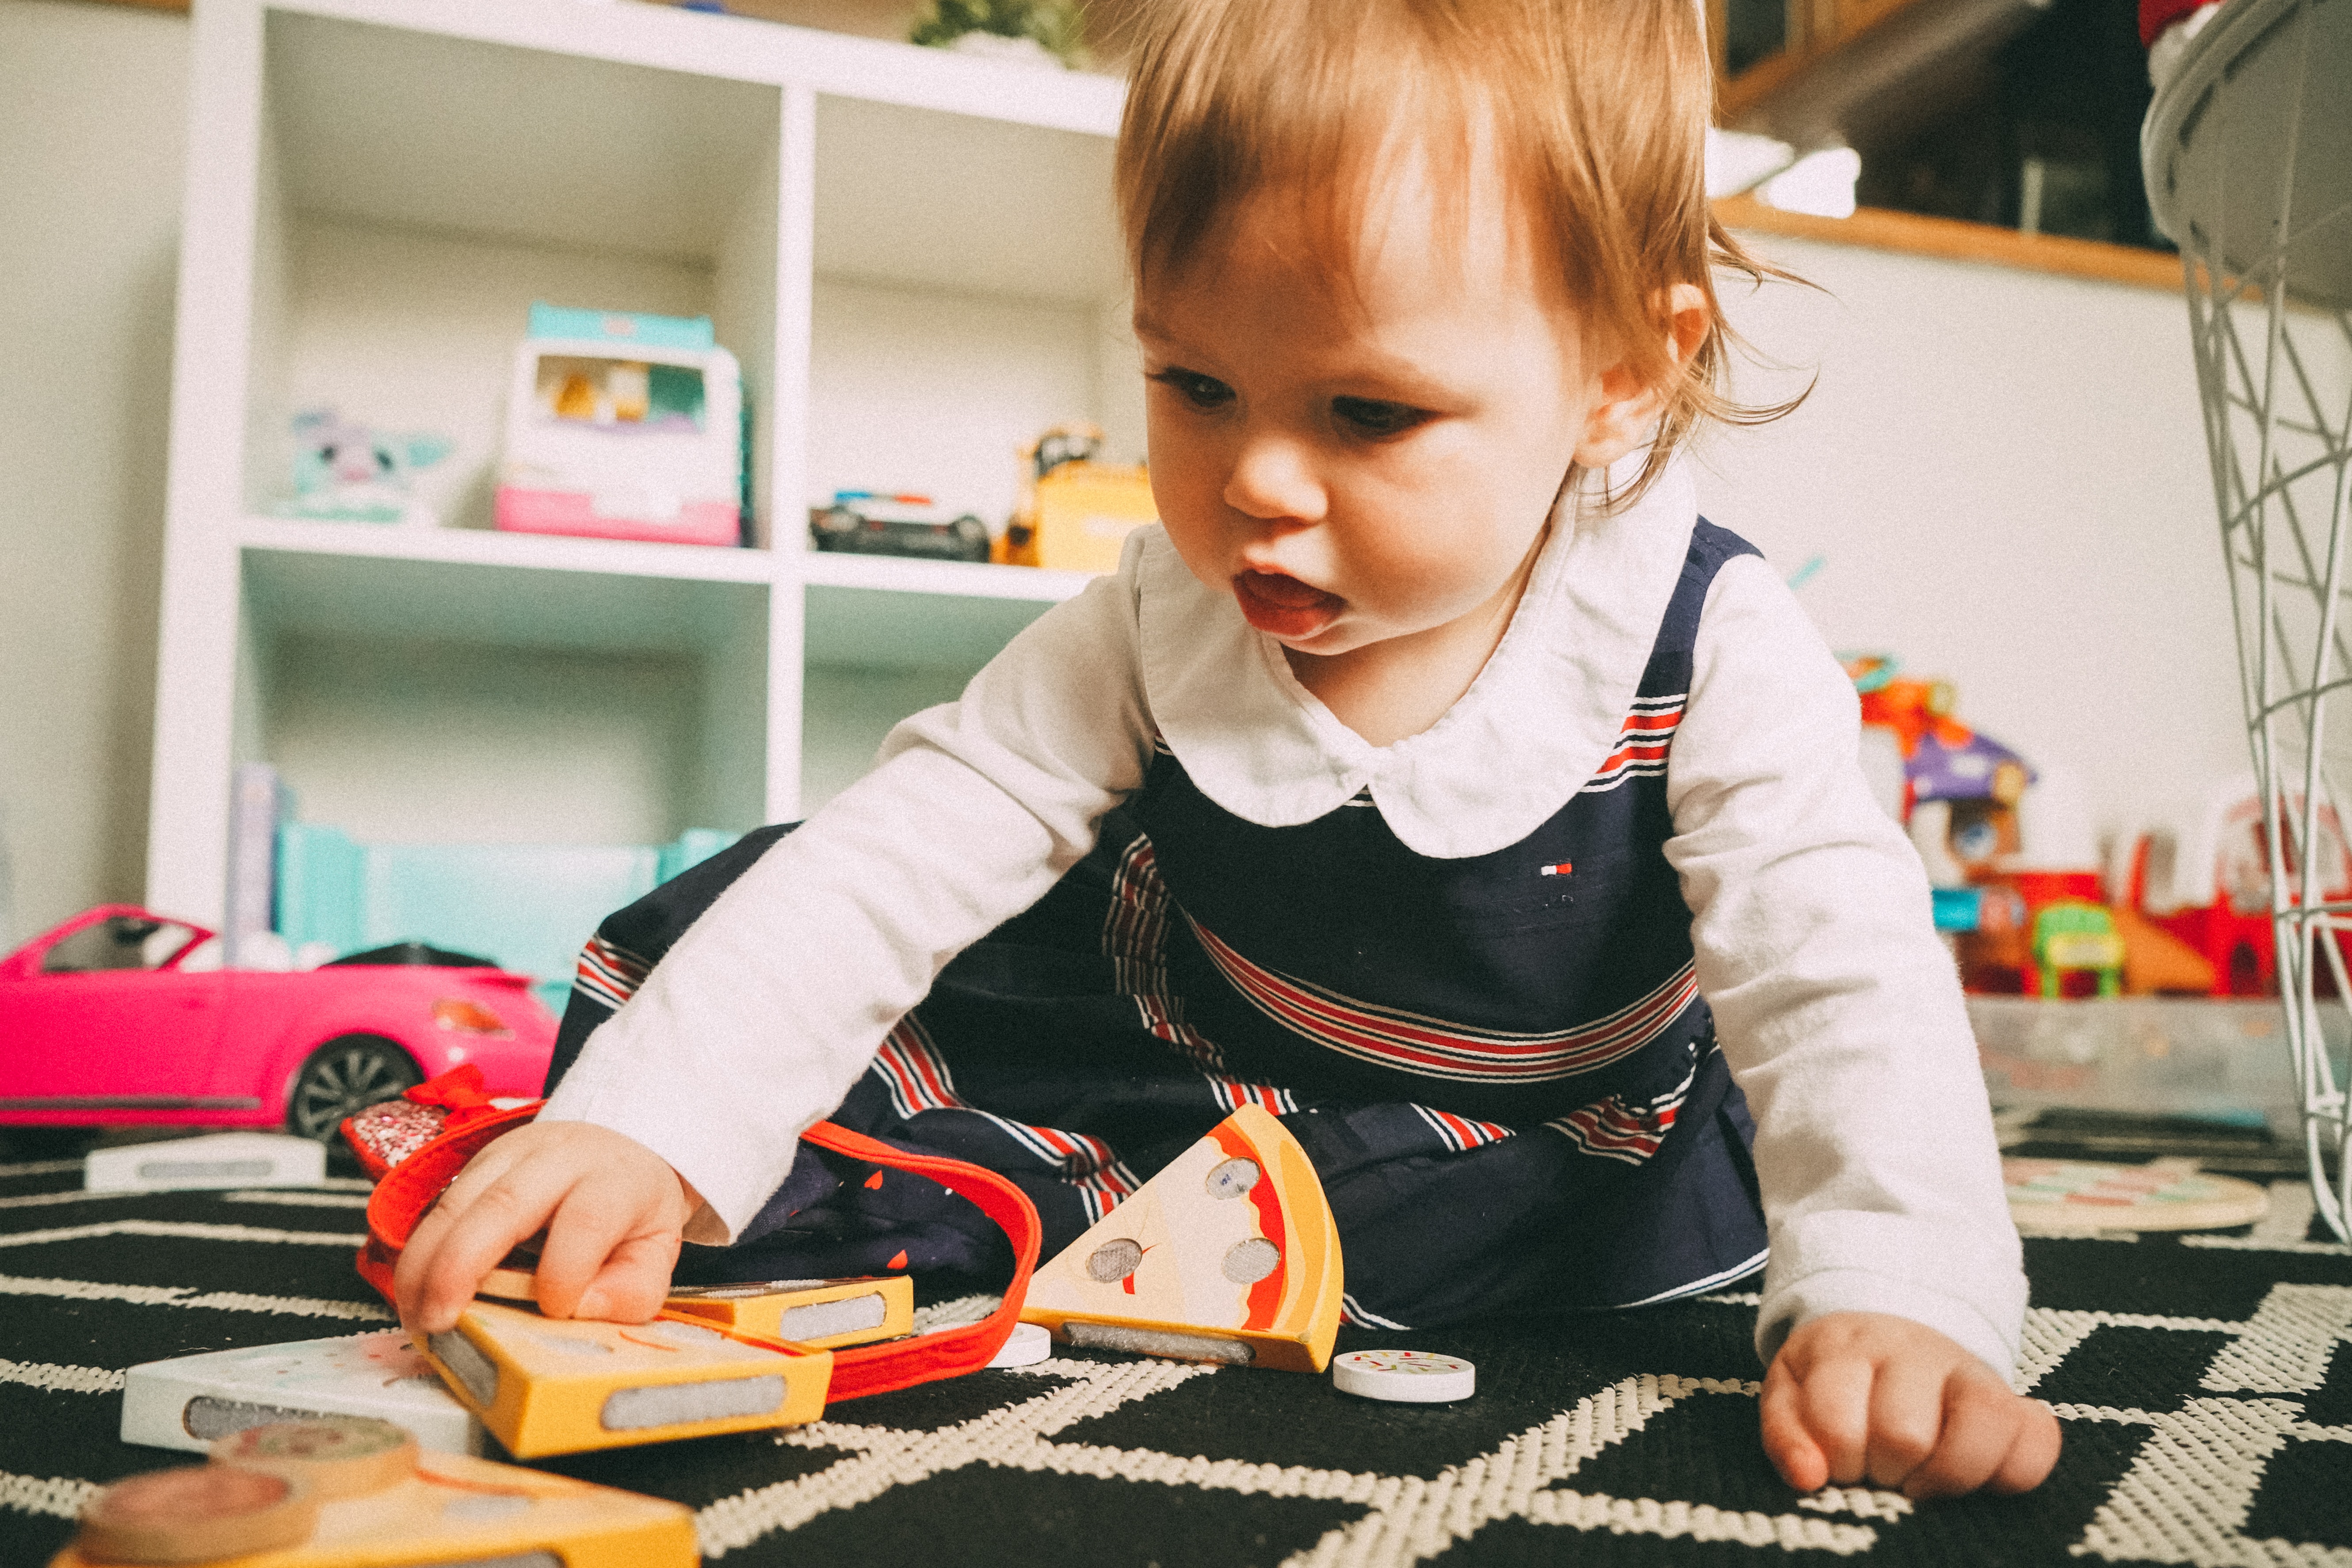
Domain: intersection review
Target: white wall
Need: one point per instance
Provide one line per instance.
(2006, 475)
(92, 107)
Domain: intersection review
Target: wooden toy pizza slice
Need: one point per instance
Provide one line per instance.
(1228, 1255)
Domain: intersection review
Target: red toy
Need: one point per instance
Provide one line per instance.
(2203, 875)
(104, 1021)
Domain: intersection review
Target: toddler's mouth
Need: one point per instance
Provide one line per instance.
(1283, 605)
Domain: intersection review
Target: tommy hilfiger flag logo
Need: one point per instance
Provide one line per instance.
(1561, 869)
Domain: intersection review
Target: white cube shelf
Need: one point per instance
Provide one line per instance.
(913, 254)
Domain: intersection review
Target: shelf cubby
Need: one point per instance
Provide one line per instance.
(913, 254)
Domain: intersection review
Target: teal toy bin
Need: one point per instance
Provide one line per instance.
(529, 907)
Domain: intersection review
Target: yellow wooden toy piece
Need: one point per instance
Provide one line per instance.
(1075, 514)
(550, 1385)
(823, 1314)
(1228, 1255)
(446, 1507)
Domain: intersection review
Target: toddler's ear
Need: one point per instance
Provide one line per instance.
(1627, 407)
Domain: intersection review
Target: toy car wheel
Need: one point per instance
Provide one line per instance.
(343, 1078)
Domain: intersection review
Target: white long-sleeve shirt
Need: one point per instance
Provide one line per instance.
(1836, 1006)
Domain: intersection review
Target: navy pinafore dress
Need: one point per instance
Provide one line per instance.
(1500, 1065)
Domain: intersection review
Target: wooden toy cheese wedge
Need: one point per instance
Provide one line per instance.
(1228, 1255)
(443, 1509)
(819, 1313)
(549, 1385)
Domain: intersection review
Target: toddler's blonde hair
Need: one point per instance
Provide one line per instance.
(1594, 112)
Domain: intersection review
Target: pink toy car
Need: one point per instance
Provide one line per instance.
(106, 1021)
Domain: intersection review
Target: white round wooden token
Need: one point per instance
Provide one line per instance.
(1404, 1377)
(1028, 1345)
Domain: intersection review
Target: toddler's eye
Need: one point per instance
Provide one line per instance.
(1199, 391)
(1369, 417)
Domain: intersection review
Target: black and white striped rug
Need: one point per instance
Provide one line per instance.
(2206, 1388)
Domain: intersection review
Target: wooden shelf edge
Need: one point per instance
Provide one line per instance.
(1951, 239)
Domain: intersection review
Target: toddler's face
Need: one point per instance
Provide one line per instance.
(1365, 464)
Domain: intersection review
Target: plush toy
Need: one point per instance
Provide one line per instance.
(352, 473)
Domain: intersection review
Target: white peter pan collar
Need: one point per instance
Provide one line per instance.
(1532, 730)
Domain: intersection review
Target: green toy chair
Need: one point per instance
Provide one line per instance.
(2073, 934)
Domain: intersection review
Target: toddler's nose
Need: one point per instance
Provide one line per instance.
(1274, 481)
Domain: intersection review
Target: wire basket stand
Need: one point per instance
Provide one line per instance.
(2247, 156)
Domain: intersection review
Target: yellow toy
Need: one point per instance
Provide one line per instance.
(354, 1492)
(551, 1385)
(1075, 514)
(822, 1314)
(1228, 1255)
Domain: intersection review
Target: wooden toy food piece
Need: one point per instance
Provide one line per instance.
(190, 1402)
(447, 1509)
(551, 1385)
(197, 1513)
(219, 1160)
(819, 1313)
(2055, 1197)
(336, 1456)
(1228, 1255)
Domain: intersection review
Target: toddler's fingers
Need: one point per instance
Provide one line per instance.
(604, 1220)
(633, 1282)
(1907, 1418)
(2035, 1453)
(1833, 1402)
(1980, 1420)
(1787, 1444)
(456, 1246)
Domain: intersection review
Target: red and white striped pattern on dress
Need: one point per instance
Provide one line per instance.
(1615, 1131)
(917, 1079)
(607, 974)
(1460, 1134)
(1135, 939)
(1433, 1047)
(1642, 743)
(1233, 1094)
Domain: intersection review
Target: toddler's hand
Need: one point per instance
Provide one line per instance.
(1862, 1395)
(611, 1207)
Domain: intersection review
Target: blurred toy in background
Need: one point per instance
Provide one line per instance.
(1033, 32)
(1075, 514)
(2073, 935)
(2201, 875)
(1957, 794)
(2011, 855)
(871, 522)
(348, 472)
(624, 426)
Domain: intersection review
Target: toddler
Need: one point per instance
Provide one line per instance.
(1432, 777)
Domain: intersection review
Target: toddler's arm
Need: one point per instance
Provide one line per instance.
(611, 1208)
(762, 1015)
(1841, 1018)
